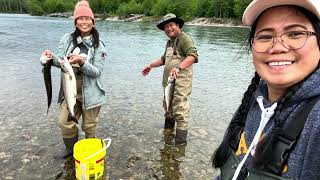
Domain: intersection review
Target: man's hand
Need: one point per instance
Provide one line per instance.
(174, 73)
(145, 71)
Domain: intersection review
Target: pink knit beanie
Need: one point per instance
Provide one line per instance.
(82, 8)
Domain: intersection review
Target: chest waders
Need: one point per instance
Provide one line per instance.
(180, 106)
(284, 145)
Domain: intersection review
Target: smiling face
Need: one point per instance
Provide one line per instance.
(85, 25)
(280, 67)
(172, 29)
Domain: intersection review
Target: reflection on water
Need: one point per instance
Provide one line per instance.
(68, 170)
(171, 157)
(133, 116)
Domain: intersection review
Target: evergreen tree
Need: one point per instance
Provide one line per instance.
(34, 7)
(183, 8)
(132, 7)
(240, 6)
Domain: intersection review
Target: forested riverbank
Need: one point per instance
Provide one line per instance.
(216, 10)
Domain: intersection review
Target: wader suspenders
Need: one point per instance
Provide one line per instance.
(175, 46)
(288, 138)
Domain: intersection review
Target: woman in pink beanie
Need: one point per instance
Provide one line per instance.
(87, 55)
(82, 8)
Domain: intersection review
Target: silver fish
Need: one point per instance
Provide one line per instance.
(168, 93)
(69, 88)
(46, 71)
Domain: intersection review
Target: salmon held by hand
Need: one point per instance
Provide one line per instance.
(168, 93)
(69, 87)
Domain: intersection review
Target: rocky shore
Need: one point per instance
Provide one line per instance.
(215, 22)
(202, 21)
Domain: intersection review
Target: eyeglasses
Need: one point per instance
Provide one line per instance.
(84, 18)
(291, 40)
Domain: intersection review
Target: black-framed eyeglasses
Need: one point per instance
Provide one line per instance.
(291, 40)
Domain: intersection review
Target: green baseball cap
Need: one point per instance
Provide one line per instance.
(170, 18)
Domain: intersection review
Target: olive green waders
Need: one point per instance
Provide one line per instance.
(180, 106)
(68, 128)
(89, 116)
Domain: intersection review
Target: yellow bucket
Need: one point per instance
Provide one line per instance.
(89, 158)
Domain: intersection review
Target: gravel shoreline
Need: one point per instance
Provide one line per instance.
(202, 21)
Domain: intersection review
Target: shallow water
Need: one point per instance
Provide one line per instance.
(133, 116)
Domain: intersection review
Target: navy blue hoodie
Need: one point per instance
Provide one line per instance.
(304, 160)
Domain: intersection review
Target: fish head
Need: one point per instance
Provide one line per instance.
(170, 80)
(65, 65)
(83, 55)
(44, 59)
(76, 51)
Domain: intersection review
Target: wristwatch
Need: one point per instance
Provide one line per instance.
(178, 67)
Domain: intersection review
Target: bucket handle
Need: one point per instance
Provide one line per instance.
(109, 142)
(103, 149)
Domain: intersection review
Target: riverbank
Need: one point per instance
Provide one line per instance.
(202, 21)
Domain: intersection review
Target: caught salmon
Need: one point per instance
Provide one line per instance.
(168, 93)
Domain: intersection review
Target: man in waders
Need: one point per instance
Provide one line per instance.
(178, 59)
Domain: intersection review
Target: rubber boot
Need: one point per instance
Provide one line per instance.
(68, 151)
(169, 123)
(181, 136)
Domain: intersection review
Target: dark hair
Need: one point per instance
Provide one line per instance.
(95, 37)
(265, 146)
(238, 121)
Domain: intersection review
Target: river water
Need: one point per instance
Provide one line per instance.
(133, 116)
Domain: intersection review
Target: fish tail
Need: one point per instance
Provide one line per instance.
(73, 118)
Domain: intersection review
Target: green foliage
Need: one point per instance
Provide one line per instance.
(202, 7)
(12, 6)
(185, 8)
(162, 7)
(182, 8)
(106, 6)
(132, 7)
(52, 6)
(221, 8)
(239, 7)
(147, 6)
(34, 7)
(98, 6)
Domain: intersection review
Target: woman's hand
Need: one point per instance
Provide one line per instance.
(47, 53)
(74, 59)
(46, 56)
